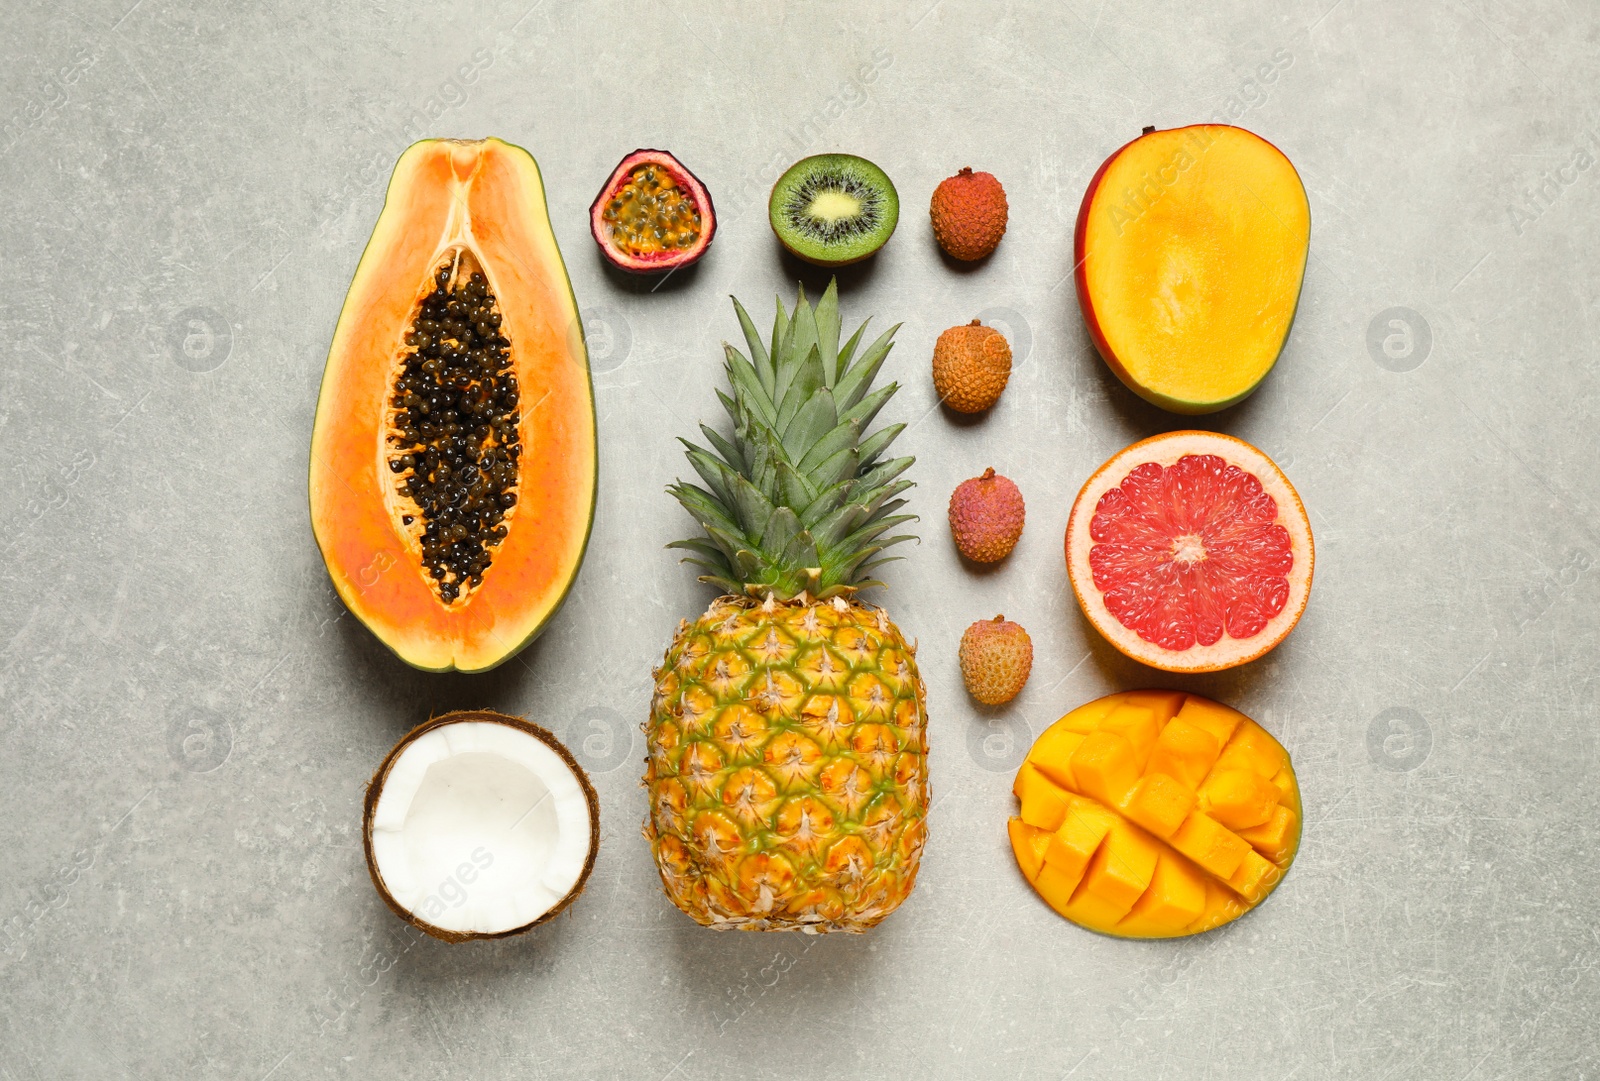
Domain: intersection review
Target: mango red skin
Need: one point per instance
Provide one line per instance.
(986, 517)
(969, 213)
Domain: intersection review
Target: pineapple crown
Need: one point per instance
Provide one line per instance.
(798, 500)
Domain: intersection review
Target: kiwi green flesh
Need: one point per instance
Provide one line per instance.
(833, 209)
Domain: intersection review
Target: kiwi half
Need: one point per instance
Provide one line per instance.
(834, 209)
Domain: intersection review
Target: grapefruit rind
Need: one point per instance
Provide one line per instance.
(1165, 450)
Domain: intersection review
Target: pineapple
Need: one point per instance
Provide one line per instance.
(788, 729)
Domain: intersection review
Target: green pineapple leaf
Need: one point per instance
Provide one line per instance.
(798, 496)
(758, 352)
(826, 321)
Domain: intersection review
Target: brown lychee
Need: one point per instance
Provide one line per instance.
(971, 366)
(969, 214)
(986, 515)
(996, 657)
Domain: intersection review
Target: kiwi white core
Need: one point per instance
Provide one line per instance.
(480, 828)
(832, 206)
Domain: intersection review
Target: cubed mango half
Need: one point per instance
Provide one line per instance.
(1153, 814)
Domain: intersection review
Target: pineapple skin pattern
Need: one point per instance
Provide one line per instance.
(787, 771)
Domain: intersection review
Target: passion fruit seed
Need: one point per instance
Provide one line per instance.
(652, 214)
(453, 432)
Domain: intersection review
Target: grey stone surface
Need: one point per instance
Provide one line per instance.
(188, 716)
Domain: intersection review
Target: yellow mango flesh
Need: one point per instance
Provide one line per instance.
(1275, 836)
(1176, 898)
(1058, 743)
(1238, 798)
(1029, 844)
(1074, 844)
(1043, 803)
(1153, 814)
(1184, 752)
(1160, 803)
(1105, 767)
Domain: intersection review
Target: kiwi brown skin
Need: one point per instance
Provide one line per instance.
(772, 197)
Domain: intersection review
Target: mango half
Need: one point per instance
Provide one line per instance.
(1155, 814)
(1189, 254)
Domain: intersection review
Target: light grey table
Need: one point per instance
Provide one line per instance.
(188, 716)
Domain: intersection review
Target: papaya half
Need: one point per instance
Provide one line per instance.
(453, 458)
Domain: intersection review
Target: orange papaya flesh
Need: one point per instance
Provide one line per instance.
(472, 208)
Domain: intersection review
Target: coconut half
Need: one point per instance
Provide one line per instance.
(480, 825)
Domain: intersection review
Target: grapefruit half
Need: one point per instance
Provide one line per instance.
(1190, 552)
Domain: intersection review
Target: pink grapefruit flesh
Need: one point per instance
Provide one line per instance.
(1190, 552)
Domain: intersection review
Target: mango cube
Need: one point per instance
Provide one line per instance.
(1176, 898)
(1254, 876)
(1138, 726)
(1043, 802)
(1274, 836)
(1086, 718)
(1213, 717)
(1074, 844)
(1160, 804)
(1119, 872)
(1028, 844)
(1253, 748)
(1164, 704)
(1210, 844)
(1238, 798)
(1288, 788)
(1052, 753)
(1056, 887)
(1104, 767)
(1185, 752)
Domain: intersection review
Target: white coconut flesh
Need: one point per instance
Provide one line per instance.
(480, 828)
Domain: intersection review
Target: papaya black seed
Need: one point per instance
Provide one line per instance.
(454, 434)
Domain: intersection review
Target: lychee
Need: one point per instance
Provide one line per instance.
(986, 516)
(996, 657)
(971, 366)
(969, 214)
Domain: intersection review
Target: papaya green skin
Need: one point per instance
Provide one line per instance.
(1085, 305)
(593, 492)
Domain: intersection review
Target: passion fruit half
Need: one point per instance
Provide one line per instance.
(653, 215)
